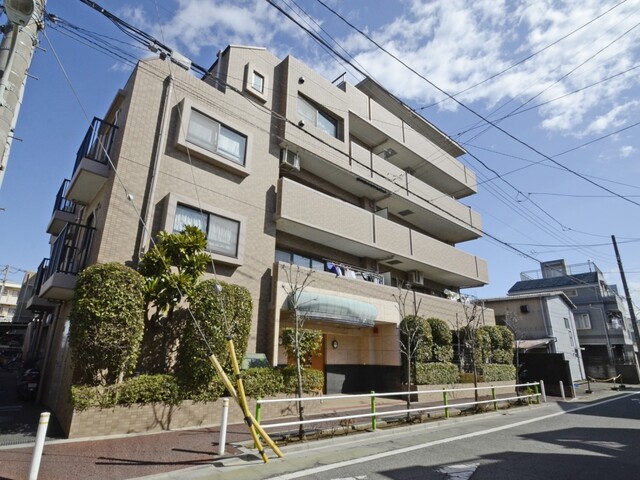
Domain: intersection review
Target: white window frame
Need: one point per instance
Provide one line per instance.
(252, 70)
(211, 211)
(212, 149)
(257, 86)
(582, 321)
(315, 116)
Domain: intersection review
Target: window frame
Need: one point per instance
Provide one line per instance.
(174, 200)
(187, 142)
(255, 74)
(319, 113)
(579, 321)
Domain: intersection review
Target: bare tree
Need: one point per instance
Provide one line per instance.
(411, 332)
(296, 282)
(472, 322)
(512, 322)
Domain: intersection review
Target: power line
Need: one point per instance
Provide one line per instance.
(469, 109)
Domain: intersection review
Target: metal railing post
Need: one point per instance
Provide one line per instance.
(493, 395)
(535, 389)
(446, 402)
(374, 421)
(223, 426)
(39, 446)
(258, 410)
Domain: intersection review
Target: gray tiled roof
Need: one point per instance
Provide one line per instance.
(556, 283)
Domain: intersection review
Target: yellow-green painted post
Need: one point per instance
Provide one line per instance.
(493, 395)
(535, 389)
(374, 421)
(446, 402)
(258, 410)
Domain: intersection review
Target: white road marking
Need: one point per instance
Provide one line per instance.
(460, 471)
(400, 451)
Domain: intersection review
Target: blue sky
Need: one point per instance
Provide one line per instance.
(564, 74)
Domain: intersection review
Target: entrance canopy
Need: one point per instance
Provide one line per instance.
(334, 309)
(535, 343)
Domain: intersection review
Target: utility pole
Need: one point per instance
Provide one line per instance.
(632, 313)
(20, 37)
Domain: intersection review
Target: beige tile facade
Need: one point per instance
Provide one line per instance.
(361, 196)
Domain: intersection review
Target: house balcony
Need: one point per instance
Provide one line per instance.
(64, 210)
(68, 257)
(91, 169)
(309, 214)
(35, 303)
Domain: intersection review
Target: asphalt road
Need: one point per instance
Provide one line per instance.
(596, 437)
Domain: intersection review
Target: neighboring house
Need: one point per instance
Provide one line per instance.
(280, 167)
(542, 323)
(9, 293)
(604, 327)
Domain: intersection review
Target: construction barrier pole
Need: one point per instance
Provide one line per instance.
(232, 390)
(374, 422)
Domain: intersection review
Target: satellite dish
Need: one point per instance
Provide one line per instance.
(19, 12)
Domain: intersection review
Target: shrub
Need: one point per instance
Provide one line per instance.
(262, 382)
(465, 377)
(416, 337)
(144, 389)
(217, 313)
(149, 389)
(493, 372)
(310, 343)
(442, 340)
(107, 322)
(312, 380)
(436, 373)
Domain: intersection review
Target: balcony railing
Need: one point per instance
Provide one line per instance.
(97, 143)
(41, 276)
(62, 203)
(70, 250)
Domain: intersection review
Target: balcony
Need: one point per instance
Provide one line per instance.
(68, 257)
(91, 169)
(35, 303)
(309, 214)
(64, 210)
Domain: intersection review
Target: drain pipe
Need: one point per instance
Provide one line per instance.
(162, 142)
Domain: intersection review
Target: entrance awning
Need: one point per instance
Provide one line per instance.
(331, 308)
(534, 343)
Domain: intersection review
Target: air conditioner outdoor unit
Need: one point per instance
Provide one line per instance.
(289, 160)
(416, 277)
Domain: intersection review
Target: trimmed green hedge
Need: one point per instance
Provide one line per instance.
(436, 373)
(312, 380)
(262, 382)
(143, 389)
(493, 372)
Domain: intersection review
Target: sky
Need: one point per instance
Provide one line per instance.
(543, 96)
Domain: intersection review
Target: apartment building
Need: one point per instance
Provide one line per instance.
(9, 293)
(279, 167)
(604, 328)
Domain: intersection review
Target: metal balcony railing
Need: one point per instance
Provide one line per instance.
(97, 143)
(41, 276)
(70, 250)
(63, 204)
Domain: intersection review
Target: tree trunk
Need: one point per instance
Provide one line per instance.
(299, 375)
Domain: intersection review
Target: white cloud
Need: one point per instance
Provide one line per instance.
(455, 44)
(627, 151)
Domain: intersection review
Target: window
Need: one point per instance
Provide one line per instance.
(300, 260)
(215, 137)
(222, 233)
(583, 322)
(566, 324)
(257, 82)
(317, 117)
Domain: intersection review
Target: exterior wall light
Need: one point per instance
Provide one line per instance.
(334, 344)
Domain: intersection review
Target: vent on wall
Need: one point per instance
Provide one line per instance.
(524, 308)
(416, 277)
